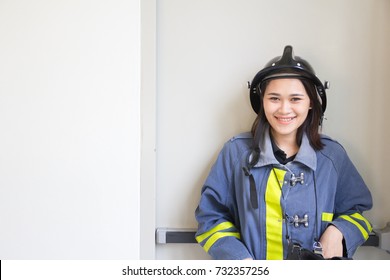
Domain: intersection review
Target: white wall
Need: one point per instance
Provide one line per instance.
(148, 128)
(74, 161)
(208, 50)
(70, 129)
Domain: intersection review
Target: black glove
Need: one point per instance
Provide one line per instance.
(297, 252)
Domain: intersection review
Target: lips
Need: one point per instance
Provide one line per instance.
(285, 120)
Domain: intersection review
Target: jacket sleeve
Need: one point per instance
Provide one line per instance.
(217, 232)
(352, 199)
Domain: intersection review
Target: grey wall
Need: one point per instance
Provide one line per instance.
(208, 50)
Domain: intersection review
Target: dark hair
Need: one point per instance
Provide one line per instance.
(310, 126)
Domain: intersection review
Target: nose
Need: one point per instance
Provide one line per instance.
(285, 107)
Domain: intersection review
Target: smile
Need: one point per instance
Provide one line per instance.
(285, 120)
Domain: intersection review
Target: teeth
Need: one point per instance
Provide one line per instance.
(285, 119)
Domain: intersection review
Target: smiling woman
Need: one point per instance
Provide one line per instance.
(284, 189)
(286, 106)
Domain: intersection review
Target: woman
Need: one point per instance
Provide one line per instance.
(283, 189)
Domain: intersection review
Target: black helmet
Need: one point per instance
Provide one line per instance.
(286, 66)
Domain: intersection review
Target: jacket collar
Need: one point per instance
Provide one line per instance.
(306, 154)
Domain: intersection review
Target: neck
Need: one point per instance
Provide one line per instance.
(287, 143)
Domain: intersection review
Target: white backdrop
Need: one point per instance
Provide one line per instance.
(208, 50)
(70, 129)
(85, 157)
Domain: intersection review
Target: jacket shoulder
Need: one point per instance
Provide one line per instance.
(238, 145)
(332, 148)
(245, 136)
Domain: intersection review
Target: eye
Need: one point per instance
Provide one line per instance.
(296, 99)
(274, 98)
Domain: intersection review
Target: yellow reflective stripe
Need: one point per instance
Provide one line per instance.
(362, 230)
(327, 217)
(219, 227)
(361, 218)
(216, 236)
(274, 216)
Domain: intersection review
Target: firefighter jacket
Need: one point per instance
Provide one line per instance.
(296, 201)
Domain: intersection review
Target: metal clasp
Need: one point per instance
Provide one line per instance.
(298, 221)
(317, 248)
(294, 179)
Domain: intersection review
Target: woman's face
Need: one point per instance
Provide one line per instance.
(286, 105)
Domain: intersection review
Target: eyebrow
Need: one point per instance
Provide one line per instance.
(278, 94)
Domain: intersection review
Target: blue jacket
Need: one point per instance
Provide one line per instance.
(330, 191)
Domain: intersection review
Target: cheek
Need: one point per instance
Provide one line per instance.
(269, 106)
(304, 108)
(268, 109)
(268, 115)
(304, 112)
